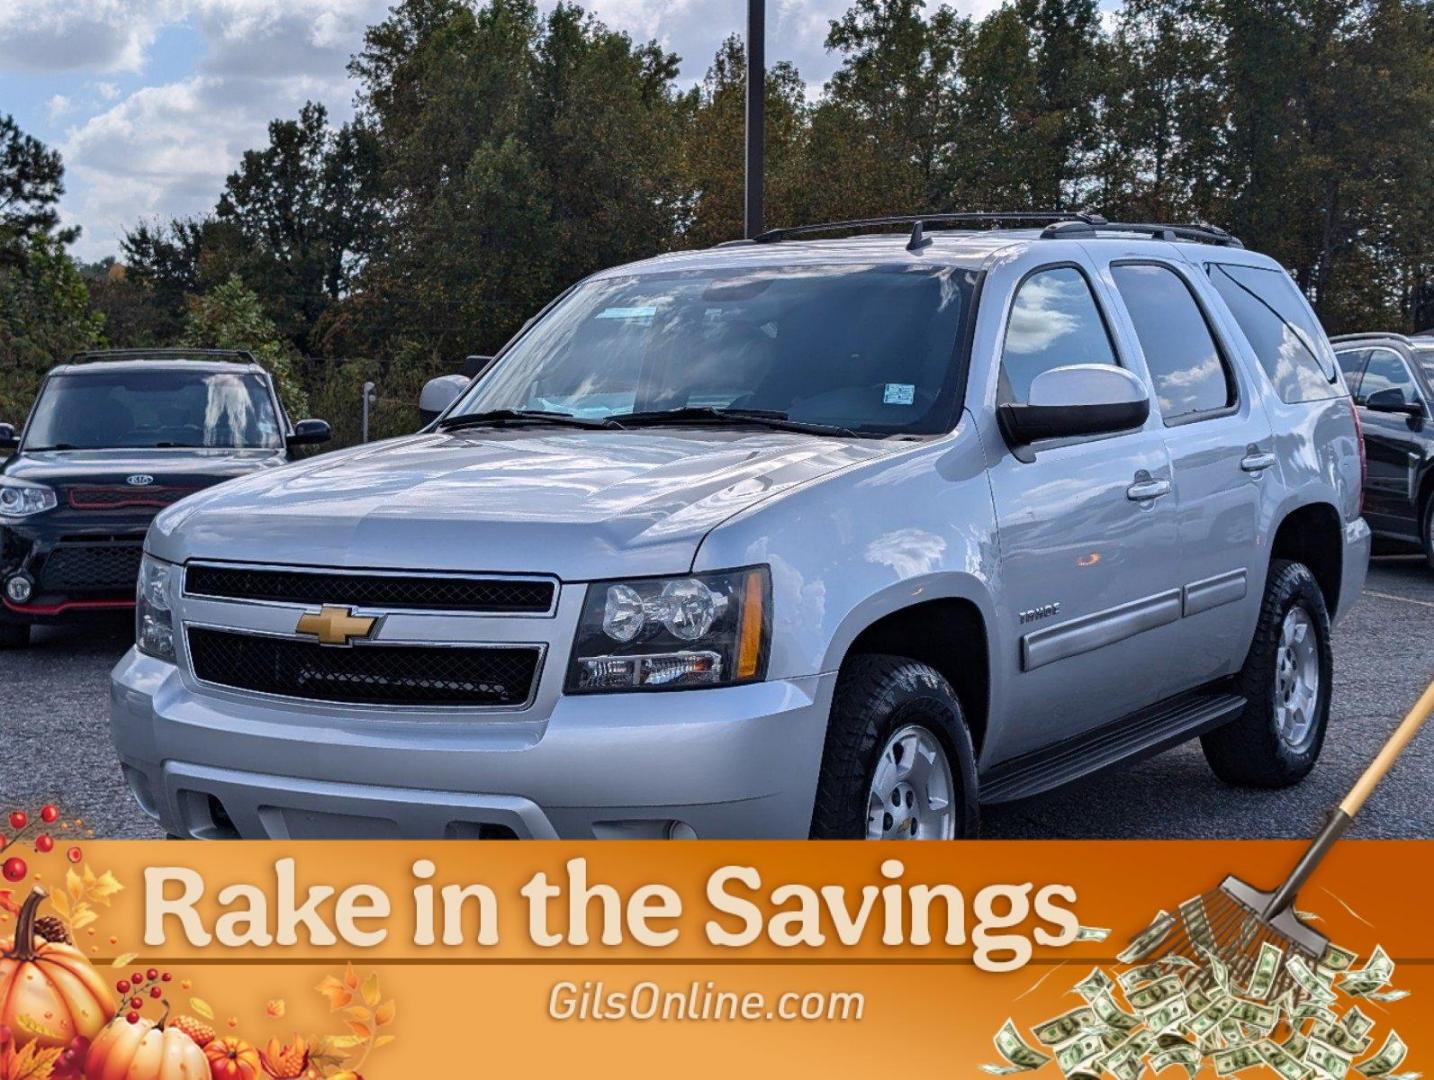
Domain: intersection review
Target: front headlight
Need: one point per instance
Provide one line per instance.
(673, 633)
(153, 617)
(21, 499)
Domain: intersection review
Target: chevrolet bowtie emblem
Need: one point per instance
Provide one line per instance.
(336, 625)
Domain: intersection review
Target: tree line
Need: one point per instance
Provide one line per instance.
(497, 154)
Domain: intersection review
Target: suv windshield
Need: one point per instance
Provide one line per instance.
(133, 409)
(866, 347)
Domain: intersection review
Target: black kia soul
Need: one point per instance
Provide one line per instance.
(113, 438)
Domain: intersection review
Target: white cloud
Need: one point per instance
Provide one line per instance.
(96, 35)
(58, 106)
(107, 90)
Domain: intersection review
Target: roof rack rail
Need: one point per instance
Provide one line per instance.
(920, 222)
(1372, 335)
(160, 353)
(1205, 234)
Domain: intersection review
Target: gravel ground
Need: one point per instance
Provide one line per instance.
(54, 741)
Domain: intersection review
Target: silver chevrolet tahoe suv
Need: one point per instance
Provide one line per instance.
(794, 537)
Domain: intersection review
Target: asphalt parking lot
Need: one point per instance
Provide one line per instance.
(54, 741)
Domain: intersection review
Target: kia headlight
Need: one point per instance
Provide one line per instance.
(19, 498)
(673, 633)
(153, 613)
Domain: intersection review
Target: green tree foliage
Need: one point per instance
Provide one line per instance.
(45, 316)
(230, 316)
(31, 183)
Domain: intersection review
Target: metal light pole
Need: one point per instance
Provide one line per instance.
(368, 399)
(756, 111)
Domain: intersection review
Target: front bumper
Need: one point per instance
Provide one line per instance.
(735, 762)
(76, 567)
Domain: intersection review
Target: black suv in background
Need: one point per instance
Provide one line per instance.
(114, 437)
(1392, 379)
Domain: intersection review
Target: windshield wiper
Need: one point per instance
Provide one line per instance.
(521, 416)
(709, 414)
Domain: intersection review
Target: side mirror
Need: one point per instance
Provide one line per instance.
(473, 366)
(310, 433)
(438, 394)
(8, 439)
(1079, 399)
(1392, 400)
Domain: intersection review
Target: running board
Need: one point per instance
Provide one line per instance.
(1140, 735)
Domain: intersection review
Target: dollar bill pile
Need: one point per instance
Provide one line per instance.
(1195, 1012)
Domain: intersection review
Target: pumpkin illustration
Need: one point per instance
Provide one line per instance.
(145, 1050)
(232, 1059)
(49, 994)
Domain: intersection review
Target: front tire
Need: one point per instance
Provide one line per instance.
(14, 635)
(898, 762)
(1286, 681)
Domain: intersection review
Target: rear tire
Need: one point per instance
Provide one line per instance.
(1286, 681)
(14, 635)
(896, 734)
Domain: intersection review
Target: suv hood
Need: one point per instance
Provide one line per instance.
(578, 504)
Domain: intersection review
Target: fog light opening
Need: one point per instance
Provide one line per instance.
(19, 589)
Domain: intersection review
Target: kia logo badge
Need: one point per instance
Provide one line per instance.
(139, 480)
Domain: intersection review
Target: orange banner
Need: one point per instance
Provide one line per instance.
(398, 959)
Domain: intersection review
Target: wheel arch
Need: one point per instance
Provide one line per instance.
(1313, 534)
(950, 633)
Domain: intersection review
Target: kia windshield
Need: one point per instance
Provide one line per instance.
(137, 409)
(869, 348)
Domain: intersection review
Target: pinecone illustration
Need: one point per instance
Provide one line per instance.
(52, 929)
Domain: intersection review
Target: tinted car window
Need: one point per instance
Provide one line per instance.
(1189, 372)
(1351, 362)
(867, 347)
(1054, 323)
(1386, 370)
(1424, 357)
(138, 409)
(1282, 330)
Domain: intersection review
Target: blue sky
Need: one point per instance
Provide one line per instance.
(151, 102)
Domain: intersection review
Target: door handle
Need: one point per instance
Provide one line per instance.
(1257, 461)
(1144, 489)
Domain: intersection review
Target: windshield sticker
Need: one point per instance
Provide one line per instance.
(627, 313)
(899, 393)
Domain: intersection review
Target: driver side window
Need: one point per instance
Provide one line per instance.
(1054, 323)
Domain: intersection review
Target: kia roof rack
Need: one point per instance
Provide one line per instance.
(1081, 229)
(90, 356)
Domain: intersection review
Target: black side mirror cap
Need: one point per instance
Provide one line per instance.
(311, 433)
(1392, 400)
(1026, 424)
(8, 439)
(473, 366)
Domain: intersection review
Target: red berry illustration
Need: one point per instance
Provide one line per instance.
(122, 986)
(137, 978)
(152, 974)
(49, 814)
(166, 977)
(132, 1017)
(19, 819)
(155, 992)
(74, 854)
(136, 1003)
(14, 869)
(44, 843)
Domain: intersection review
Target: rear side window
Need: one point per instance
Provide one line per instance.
(1054, 323)
(1386, 370)
(1190, 375)
(1351, 362)
(1282, 330)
